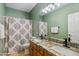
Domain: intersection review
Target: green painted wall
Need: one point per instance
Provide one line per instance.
(60, 18)
(16, 13)
(56, 18)
(2, 9)
(2, 13)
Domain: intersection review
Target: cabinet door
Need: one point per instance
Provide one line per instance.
(41, 50)
(45, 52)
(30, 48)
(37, 48)
(34, 46)
(31, 52)
(38, 54)
(34, 53)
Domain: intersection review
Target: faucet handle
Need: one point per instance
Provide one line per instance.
(69, 37)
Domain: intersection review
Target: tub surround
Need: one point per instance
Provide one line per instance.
(53, 47)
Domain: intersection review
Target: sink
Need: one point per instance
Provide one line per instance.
(64, 51)
(52, 46)
(37, 40)
(47, 43)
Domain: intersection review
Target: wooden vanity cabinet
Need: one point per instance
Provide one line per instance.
(36, 50)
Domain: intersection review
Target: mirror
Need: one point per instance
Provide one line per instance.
(39, 27)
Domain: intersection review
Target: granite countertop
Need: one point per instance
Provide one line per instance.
(55, 48)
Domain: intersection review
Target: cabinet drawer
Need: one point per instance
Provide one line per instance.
(45, 52)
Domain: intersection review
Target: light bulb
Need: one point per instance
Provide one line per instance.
(57, 4)
(44, 11)
(48, 9)
(50, 5)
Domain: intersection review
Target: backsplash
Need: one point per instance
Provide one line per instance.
(75, 45)
(55, 40)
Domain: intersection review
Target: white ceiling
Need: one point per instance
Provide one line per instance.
(27, 7)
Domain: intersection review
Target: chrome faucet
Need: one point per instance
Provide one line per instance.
(43, 36)
(67, 41)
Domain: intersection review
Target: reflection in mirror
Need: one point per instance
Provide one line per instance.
(35, 28)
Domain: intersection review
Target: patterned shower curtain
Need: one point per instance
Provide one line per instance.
(42, 28)
(18, 32)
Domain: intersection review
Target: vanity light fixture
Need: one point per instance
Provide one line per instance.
(51, 7)
(47, 9)
(44, 11)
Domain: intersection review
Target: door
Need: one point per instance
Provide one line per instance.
(73, 27)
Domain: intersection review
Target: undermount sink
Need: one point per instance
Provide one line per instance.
(47, 43)
(64, 51)
(37, 40)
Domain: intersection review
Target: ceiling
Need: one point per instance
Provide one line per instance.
(27, 7)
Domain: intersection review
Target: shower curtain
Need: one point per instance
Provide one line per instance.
(17, 34)
(42, 28)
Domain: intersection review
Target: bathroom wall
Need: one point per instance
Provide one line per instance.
(56, 18)
(60, 18)
(16, 13)
(2, 9)
(2, 13)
